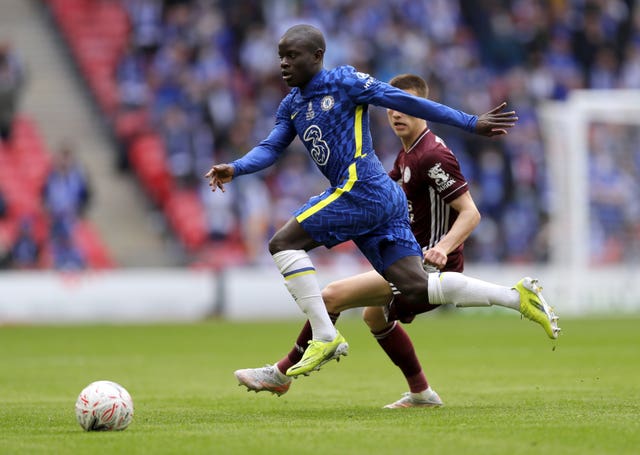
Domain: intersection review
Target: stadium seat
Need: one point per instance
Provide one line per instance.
(220, 255)
(96, 33)
(130, 124)
(147, 158)
(186, 216)
(91, 244)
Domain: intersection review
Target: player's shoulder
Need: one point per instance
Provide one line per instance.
(434, 144)
(430, 150)
(290, 97)
(286, 104)
(292, 94)
(342, 70)
(349, 75)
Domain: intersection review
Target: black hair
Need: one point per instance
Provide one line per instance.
(310, 36)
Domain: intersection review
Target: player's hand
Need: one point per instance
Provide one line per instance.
(435, 257)
(218, 175)
(495, 122)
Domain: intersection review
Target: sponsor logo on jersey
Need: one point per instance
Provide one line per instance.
(294, 115)
(370, 80)
(310, 113)
(406, 174)
(318, 148)
(327, 103)
(442, 179)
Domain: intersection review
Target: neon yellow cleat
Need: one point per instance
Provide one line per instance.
(534, 307)
(318, 353)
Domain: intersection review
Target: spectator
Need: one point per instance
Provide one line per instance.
(3, 205)
(220, 213)
(630, 71)
(25, 253)
(612, 195)
(255, 219)
(67, 191)
(189, 145)
(133, 89)
(12, 79)
(65, 254)
(5, 250)
(145, 18)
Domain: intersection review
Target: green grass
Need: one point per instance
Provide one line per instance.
(505, 390)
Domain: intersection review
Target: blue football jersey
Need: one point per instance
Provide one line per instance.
(330, 115)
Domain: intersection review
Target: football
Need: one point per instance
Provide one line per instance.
(104, 406)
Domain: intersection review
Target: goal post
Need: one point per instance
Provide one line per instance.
(574, 132)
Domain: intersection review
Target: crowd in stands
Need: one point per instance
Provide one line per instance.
(12, 81)
(614, 186)
(43, 202)
(43, 198)
(201, 78)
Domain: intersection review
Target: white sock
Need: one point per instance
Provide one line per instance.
(424, 395)
(279, 374)
(464, 291)
(301, 281)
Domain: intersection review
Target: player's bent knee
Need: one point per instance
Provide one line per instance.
(374, 318)
(331, 297)
(275, 246)
(411, 282)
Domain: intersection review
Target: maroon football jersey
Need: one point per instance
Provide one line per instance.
(431, 178)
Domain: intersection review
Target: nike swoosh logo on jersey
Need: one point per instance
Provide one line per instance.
(294, 115)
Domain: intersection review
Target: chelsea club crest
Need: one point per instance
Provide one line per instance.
(327, 103)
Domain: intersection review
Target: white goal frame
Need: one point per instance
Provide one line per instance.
(565, 127)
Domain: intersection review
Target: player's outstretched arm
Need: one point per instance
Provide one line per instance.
(495, 122)
(218, 175)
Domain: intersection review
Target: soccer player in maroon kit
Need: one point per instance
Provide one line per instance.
(442, 215)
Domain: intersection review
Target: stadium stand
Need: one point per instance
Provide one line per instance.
(214, 64)
(96, 33)
(24, 166)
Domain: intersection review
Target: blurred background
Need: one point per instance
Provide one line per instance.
(111, 112)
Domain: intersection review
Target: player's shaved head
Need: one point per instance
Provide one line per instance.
(301, 50)
(306, 35)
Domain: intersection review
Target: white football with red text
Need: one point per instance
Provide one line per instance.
(104, 406)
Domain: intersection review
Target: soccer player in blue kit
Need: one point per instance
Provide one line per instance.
(328, 110)
(442, 215)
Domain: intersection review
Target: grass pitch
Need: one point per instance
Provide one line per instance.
(505, 390)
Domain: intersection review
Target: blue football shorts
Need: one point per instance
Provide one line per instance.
(373, 215)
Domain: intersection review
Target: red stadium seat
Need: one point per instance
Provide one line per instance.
(186, 216)
(220, 255)
(147, 158)
(96, 32)
(91, 244)
(130, 124)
